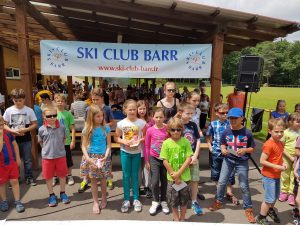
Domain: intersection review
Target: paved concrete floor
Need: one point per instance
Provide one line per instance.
(35, 200)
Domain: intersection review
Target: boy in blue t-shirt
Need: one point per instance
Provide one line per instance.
(236, 145)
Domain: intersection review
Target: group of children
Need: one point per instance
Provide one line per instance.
(168, 147)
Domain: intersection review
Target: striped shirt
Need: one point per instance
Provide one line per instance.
(78, 108)
(215, 130)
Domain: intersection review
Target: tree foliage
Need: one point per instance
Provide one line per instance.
(281, 62)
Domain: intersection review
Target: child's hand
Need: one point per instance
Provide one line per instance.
(241, 151)
(175, 175)
(177, 181)
(224, 151)
(17, 133)
(147, 165)
(127, 142)
(283, 167)
(292, 158)
(194, 160)
(22, 131)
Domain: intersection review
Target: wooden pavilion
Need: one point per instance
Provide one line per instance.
(24, 23)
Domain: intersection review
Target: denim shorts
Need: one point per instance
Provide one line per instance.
(272, 189)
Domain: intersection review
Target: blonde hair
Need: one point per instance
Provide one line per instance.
(185, 106)
(219, 106)
(174, 123)
(141, 103)
(169, 83)
(48, 108)
(60, 96)
(293, 117)
(89, 124)
(128, 102)
(276, 122)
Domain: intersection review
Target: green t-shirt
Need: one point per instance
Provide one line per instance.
(176, 153)
(67, 119)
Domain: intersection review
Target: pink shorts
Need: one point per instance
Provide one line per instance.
(54, 167)
(9, 172)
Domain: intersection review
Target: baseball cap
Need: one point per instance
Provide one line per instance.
(235, 112)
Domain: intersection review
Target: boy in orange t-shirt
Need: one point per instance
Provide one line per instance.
(271, 159)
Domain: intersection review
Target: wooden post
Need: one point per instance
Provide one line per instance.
(3, 85)
(93, 82)
(34, 78)
(86, 84)
(216, 71)
(70, 91)
(25, 68)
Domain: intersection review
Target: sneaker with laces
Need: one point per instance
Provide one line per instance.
(283, 197)
(19, 206)
(125, 206)
(110, 184)
(64, 198)
(217, 205)
(83, 187)
(4, 206)
(197, 209)
(154, 207)
(249, 215)
(52, 201)
(70, 180)
(273, 215)
(31, 181)
(137, 206)
(165, 208)
(54, 181)
(262, 220)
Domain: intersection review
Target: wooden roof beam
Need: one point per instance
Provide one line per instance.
(34, 13)
(173, 6)
(251, 22)
(216, 13)
(250, 34)
(208, 37)
(239, 41)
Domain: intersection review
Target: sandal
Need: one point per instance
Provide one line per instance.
(232, 199)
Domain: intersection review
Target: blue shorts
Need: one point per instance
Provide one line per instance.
(272, 189)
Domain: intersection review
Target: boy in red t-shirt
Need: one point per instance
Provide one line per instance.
(9, 168)
(271, 159)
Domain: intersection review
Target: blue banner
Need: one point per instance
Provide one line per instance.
(74, 58)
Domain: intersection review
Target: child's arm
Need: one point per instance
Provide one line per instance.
(224, 150)
(196, 153)
(108, 148)
(264, 161)
(17, 152)
(168, 167)
(243, 151)
(32, 126)
(147, 147)
(1, 139)
(14, 132)
(288, 156)
(296, 168)
(209, 141)
(73, 138)
(119, 140)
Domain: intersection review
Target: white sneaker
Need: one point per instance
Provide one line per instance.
(125, 206)
(153, 208)
(165, 207)
(137, 205)
(70, 180)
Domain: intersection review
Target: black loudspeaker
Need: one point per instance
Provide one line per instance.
(250, 73)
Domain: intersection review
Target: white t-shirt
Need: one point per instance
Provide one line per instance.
(131, 131)
(19, 118)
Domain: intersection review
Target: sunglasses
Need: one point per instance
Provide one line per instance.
(51, 116)
(171, 90)
(223, 113)
(175, 129)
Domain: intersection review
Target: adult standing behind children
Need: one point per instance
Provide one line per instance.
(236, 99)
(21, 120)
(169, 102)
(271, 159)
(237, 144)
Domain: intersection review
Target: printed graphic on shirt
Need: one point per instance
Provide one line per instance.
(156, 146)
(237, 142)
(18, 121)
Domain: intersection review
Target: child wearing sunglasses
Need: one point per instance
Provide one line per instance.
(176, 153)
(213, 138)
(52, 136)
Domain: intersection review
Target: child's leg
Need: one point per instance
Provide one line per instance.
(49, 186)
(62, 184)
(182, 213)
(163, 182)
(103, 193)
(136, 162)
(2, 192)
(175, 213)
(291, 184)
(242, 170)
(227, 168)
(194, 188)
(155, 173)
(15, 188)
(285, 177)
(264, 209)
(94, 188)
(126, 162)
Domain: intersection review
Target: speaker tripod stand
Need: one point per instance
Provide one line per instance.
(245, 124)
